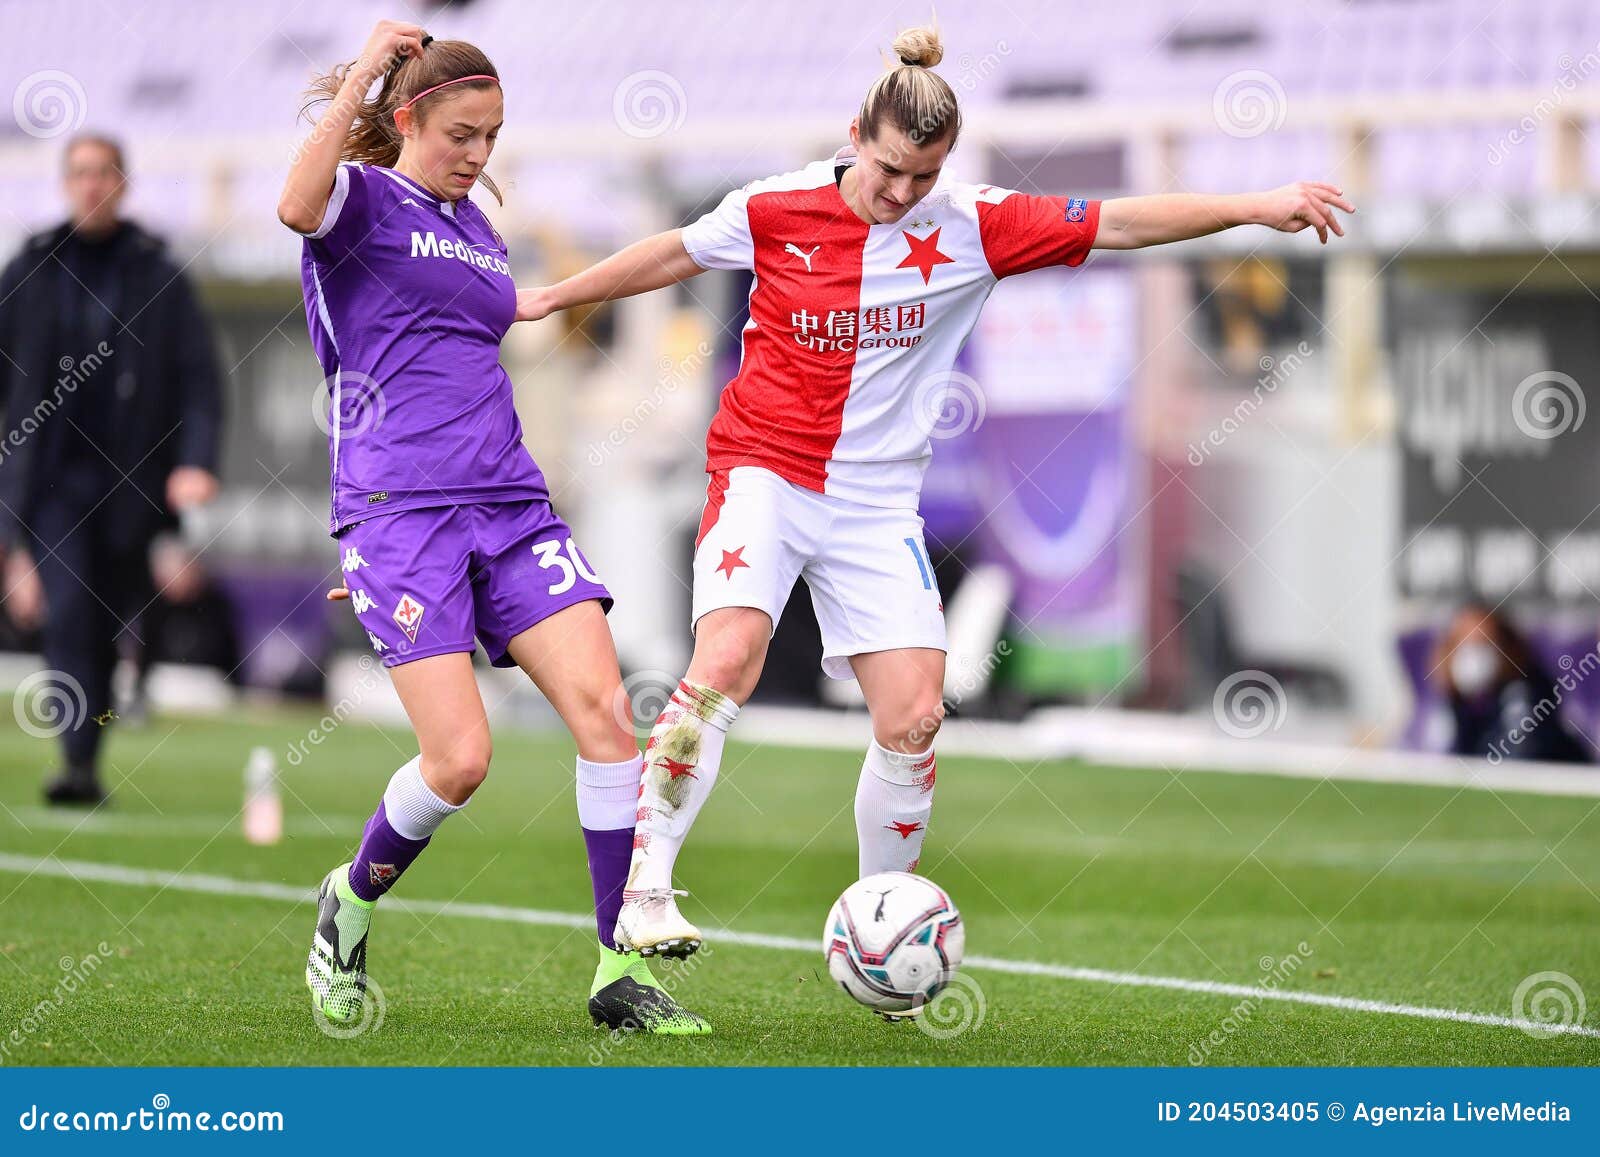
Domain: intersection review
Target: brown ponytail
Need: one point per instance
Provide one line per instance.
(374, 139)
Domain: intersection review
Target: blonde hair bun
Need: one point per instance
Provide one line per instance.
(919, 47)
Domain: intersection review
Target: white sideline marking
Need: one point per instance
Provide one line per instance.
(113, 823)
(85, 871)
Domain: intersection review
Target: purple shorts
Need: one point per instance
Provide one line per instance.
(424, 582)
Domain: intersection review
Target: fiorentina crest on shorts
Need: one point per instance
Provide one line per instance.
(409, 615)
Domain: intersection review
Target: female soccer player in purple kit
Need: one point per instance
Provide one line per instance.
(443, 520)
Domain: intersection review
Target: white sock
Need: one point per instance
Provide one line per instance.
(608, 793)
(894, 799)
(415, 809)
(680, 769)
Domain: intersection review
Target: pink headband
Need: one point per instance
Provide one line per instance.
(447, 84)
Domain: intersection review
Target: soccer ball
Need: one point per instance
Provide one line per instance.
(893, 940)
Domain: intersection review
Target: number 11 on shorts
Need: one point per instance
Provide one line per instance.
(923, 567)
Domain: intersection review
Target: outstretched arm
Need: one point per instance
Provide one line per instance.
(654, 263)
(1135, 222)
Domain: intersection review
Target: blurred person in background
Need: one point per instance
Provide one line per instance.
(1495, 685)
(190, 620)
(113, 410)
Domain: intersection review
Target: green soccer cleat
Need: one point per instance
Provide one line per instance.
(625, 997)
(336, 970)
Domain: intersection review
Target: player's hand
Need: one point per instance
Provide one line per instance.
(391, 40)
(24, 593)
(189, 487)
(1304, 205)
(535, 304)
(339, 593)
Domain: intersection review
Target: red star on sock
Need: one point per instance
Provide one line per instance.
(676, 767)
(731, 561)
(924, 254)
(906, 830)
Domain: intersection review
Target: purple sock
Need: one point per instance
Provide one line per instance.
(609, 856)
(383, 855)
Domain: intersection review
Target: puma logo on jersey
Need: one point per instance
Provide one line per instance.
(802, 254)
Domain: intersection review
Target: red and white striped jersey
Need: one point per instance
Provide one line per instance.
(854, 329)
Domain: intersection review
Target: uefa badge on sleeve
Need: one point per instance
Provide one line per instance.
(1077, 209)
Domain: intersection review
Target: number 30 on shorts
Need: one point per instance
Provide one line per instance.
(570, 564)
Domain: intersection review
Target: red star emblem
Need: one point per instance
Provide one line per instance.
(924, 254)
(906, 830)
(731, 561)
(676, 767)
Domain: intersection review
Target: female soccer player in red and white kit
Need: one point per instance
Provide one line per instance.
(443, 520)
(870, 271)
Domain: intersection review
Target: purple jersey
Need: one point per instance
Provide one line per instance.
(408, 298)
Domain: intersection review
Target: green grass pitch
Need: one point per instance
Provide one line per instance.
(1421, 896)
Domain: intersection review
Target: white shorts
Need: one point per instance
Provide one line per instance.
(868, 570)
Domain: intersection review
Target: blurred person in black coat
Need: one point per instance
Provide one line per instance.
(112, 416)
(1503, 702)
(190, 620)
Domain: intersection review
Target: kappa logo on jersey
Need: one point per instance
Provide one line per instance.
(429, 245)
(802, 254)
(409, 615)
(924, 254)
(377, 644)
(362, 601)
(352, 560)
(1077, 209)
